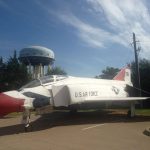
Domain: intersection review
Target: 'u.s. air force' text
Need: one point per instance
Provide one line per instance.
(86, 94)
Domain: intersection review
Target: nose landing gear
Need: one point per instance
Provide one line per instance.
(26, 120)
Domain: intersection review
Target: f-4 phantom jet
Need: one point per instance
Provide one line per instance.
(73, 93)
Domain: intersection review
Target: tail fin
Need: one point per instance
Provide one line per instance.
(124, 75)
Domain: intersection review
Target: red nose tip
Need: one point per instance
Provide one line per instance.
(9, 104)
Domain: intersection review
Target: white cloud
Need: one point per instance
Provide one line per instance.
(122, 18)
(126, 17)
(94, 36)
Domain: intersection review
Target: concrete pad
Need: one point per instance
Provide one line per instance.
(147, 131)
(85, 130)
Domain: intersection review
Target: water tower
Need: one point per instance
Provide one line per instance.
(36, 58)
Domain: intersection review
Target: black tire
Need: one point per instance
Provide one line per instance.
(28, 128)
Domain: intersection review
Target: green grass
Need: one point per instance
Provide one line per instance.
(144, 112)
(15, 114)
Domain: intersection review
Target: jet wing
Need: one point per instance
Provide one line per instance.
(118, 98)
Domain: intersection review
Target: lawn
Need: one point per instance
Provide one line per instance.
(144, 112)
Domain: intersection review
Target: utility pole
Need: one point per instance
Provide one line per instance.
(138, 84)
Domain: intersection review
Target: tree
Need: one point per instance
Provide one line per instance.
(1, 61)
(2, 73)
(56, 71)
(2, 65)
(144, 69)
(108, 73)
(14, 74)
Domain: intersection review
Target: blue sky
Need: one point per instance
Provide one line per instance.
(85, 35)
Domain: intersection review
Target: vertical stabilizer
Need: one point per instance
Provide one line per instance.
(124, 75)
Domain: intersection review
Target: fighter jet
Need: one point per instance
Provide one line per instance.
(48, 93)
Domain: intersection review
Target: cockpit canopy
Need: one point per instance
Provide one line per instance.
(51, 78)
(44, 81)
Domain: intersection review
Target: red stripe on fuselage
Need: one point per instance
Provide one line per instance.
(10, 104)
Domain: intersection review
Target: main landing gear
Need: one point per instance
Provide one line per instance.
(131, 112)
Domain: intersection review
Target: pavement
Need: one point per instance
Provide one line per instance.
(83, 131)
(147, 131)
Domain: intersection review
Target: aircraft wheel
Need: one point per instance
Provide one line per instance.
(28, 128)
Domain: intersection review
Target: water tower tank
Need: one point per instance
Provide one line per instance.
(37, 57)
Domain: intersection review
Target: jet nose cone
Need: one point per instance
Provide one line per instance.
(10, 104)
